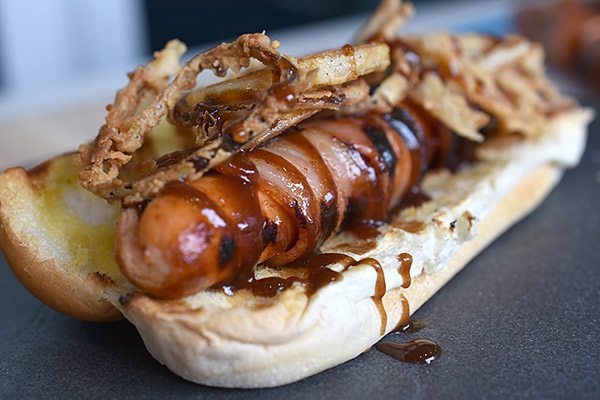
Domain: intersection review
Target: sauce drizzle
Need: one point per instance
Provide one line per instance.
(411, 327)
(406, 261)
(418, 351)
(313, 274)
(380, 289)
(410, 226)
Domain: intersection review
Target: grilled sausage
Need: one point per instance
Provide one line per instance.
(277, 203)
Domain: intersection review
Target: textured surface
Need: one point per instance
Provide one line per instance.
(520, 321)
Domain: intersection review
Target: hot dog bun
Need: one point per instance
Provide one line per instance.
(58, 240)
(35, 238)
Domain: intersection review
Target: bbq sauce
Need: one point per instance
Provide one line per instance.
(410, 226)
(413, 198)
(411, 327)
(285, 93)
(366, 230)
(405, 317)
(418, 351)
(360, 247)
(348, 50)
(365, 233)
(406, 261)
(313, 274)
(380, 289)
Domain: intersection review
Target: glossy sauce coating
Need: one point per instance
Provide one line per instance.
(278, 203)
(406, 261)
(405, 317)
(411, 327)
(380, 289)
(418, 351)
(312, 272)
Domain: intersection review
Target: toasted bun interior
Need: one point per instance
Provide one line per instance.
(58, 239)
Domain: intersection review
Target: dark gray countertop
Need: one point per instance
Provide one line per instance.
(521, 321)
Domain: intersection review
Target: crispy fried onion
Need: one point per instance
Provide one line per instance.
(504, 78)
(393, 86)
(467, 82)
(501, 77)
(105, 155)
(385, 22)
(126, 126)
(295, 89)
(193, 163)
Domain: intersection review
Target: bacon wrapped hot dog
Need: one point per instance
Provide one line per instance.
(233, 186)
(277, 203)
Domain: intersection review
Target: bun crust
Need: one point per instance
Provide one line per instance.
(249, 342)
(40, 264)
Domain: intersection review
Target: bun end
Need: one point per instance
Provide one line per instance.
(37, 262)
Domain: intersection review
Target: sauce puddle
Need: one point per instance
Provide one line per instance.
(418, 351)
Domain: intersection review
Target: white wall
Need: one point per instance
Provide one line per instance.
(46, 42)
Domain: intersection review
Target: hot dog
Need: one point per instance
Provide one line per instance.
(309, 214)
(278, 203)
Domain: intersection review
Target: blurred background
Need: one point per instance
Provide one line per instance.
(62, 60)
(55, 41)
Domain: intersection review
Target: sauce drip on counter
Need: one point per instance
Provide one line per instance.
(418, 351)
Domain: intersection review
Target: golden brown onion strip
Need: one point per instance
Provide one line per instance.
(193, 164)
(385, 22)
(124, 133)
(288, 80)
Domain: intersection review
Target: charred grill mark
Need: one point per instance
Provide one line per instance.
(329, 216)
(379, 139)
(413, 135)
(269, 232)
(368, 200)
(199, 162)
(350, 214)
(402, 121)
(228, 143)
(103, 279)
(299, 213)
(125, 299)
(227, 249)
